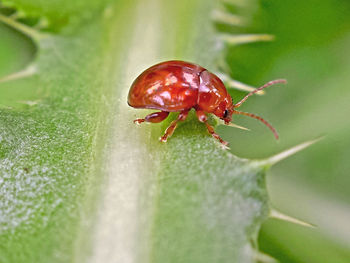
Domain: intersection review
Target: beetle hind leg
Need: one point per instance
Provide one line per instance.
(153, 117)
(171, 128)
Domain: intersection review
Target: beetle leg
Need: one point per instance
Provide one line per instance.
(214, 134)
(202, 117)
(170, 130)
(153, 117)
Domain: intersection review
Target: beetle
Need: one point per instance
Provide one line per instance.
(179, 86)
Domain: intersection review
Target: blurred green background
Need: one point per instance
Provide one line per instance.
(16, 50)
(312, 51)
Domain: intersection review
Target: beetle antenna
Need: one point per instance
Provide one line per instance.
(260, 119)
(272, 82)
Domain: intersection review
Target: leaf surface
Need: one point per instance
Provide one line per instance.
(79, 181)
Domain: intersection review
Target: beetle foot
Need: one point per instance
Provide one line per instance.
(164, 138)
(139, 121)
(224, 143)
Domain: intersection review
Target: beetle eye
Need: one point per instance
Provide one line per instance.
(225, 113)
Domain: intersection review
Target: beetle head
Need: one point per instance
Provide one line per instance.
(227, 117)
(225, 110)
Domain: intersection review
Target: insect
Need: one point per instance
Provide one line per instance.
(179, 86)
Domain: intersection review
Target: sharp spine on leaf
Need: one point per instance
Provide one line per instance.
(30, 103)
(5, 107)
(108, 11)
(278, 215)
(227, 18)
(17, 15)
(264, 258)
(236, 2)
(231, 124)
(32, 33)
(27, 72)
(231, 83)
(237, 126)
(42, 23)
(283, 155)
(244, 39)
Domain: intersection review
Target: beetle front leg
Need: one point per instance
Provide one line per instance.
(202, 117)
(214, 134)
(170, 130)
(153, 117)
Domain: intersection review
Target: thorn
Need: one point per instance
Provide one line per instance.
(30, 103)
(5, 107)
(244, 87)
(237, 126)
(32, 33)
(223, 146)
(231, 124)
(227, 18)
(264, 258)
(29, 71)
(223, 66)
(42, 23)
(234, 84)
(240, 3)
(245, 39)
(108, 12)
(278, 215)
(283, 155)
(17, 15)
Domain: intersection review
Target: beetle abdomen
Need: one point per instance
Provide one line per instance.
(168, 86)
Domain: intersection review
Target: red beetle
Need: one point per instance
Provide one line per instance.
(178, 86)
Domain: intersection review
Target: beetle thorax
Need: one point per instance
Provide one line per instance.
(213, 96)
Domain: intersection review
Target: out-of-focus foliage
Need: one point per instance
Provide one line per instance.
(16, 51)
(57, 12)
(311, 50)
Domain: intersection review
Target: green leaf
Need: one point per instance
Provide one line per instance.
(208, 204)
(79, 180)
(58, 12)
